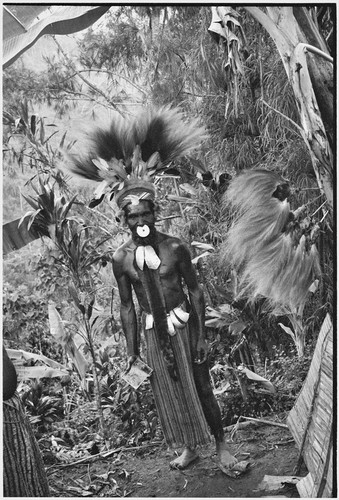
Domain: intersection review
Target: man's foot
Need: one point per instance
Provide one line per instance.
(185, 459)
(224, 458)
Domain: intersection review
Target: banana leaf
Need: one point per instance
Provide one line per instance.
(15, 237)
(62, 21)
(48, 368)
(257, 378)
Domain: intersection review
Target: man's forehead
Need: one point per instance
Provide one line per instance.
(135, 209)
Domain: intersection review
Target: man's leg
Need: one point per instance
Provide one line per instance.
(212, 412)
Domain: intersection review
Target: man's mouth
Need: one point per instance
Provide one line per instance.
(143, 231)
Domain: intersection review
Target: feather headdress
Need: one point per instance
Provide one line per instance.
(127, 156)
(275, 258)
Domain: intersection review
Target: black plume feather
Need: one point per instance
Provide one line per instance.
(138, 148)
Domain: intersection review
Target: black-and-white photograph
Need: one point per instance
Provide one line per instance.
(169, 232)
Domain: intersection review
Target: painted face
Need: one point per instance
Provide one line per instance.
(140, 220)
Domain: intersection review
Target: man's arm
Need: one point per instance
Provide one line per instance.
(127, 310)
(197, 301)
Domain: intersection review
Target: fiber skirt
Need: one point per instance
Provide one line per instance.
(177, 401)
(23, 469)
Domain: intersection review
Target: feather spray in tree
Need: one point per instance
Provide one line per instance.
(275, 257)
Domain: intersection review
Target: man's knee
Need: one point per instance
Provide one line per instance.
(203, 381)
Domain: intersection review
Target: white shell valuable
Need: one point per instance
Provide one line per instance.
(151, 258)
(143, 231)
(140, 257)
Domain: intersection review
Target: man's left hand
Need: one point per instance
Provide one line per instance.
(202, 351)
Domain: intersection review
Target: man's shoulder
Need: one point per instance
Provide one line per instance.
(173, 241)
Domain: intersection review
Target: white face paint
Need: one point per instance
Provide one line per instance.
(143, 231)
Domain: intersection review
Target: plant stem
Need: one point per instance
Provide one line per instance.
(95, 380)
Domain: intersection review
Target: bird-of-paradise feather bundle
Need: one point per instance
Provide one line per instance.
(134, 149)
(273, 252)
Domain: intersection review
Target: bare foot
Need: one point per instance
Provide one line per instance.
(185, 458)
(224, 457)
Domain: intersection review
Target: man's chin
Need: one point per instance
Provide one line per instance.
(148, 240)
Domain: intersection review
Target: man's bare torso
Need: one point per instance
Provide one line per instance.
(169, 249)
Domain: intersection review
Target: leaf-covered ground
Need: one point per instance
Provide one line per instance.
(145, 471)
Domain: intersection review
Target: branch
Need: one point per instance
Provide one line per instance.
(315, 50)
(90, 99)
(278, 14)
(90, 85)
(97, 70)
(266, 422)
(284, 116)
(263, 19)
(83, 97)
(283, 43)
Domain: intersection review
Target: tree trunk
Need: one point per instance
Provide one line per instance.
(321, 71)
(284, 29)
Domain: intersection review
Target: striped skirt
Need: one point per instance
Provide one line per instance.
(23, 469)
(178, 405)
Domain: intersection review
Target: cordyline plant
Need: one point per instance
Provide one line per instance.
(82, 258)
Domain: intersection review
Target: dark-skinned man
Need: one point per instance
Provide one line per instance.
(186, 401)
(125, 159)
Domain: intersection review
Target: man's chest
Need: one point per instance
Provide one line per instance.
(134, 265)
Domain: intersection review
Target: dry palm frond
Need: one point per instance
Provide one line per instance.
(274, 253)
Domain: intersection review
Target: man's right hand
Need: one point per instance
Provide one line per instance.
(130, 361)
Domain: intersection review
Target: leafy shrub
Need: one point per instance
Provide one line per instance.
(135, 409)
(43, 409)
(233, 406)
(286, 372)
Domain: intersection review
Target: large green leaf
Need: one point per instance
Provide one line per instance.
(44, 368)
(15, 237)
(64, 20)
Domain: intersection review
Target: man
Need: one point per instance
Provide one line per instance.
(126, 158)
(157, 266)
